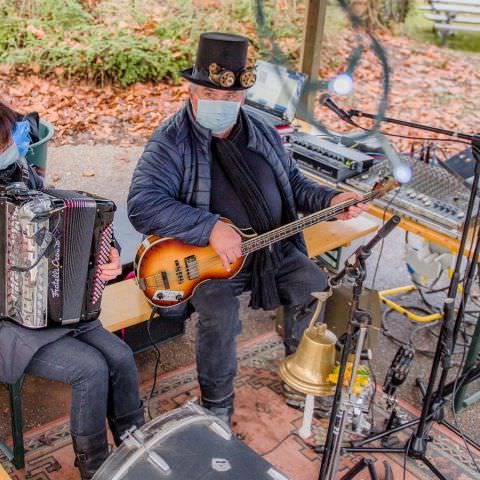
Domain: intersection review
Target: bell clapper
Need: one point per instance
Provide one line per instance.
(306, 428)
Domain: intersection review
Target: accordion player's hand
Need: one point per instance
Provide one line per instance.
(111, 270)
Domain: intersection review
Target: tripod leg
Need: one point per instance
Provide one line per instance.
(434, 469)
(388, 471)
(359, 467)
(371, 469)
(356, 469)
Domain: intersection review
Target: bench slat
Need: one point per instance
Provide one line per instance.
(448, 7)
(473, 3)
(459, 28)
(123, 305)
(439, 17)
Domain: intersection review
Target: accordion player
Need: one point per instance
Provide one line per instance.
(52, 244)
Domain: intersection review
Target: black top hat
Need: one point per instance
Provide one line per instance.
(221, 62)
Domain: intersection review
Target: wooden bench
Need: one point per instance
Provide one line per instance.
(3, 474)
(324, 238)
(452, 16)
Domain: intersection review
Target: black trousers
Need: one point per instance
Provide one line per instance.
(217, 305)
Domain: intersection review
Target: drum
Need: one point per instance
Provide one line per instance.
(187, 443)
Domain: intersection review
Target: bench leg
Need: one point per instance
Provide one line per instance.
(15, 391)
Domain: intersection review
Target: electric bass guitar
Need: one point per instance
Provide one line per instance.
(168, 271)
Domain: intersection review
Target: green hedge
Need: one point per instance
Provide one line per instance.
(121, 42)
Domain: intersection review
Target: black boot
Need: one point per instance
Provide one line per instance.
(119, 425)
(90, 452)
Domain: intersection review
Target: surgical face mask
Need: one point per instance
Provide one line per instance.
(9, 156)
(217, 115)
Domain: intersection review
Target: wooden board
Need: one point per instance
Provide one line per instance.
(328, 236)
(3, 474)
(457, 28)
(123, 305)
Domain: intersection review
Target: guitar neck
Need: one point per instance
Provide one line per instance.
(280, 233)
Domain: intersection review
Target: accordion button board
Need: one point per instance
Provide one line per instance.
(434, 198)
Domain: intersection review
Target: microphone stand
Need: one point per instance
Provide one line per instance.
(434, 395)
(354, 340)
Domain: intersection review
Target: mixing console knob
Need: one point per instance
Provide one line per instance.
(460, 214)
(427, 202)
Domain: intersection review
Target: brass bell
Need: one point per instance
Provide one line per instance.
(308, 368)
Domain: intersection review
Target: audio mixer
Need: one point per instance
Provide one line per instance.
(434, 197)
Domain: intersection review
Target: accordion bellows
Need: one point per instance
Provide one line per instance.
(52, 244)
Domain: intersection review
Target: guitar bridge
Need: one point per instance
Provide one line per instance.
(192, 267)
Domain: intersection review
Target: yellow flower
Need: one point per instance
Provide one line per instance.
(362, 378)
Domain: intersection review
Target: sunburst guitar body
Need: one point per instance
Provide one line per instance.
(168, 270)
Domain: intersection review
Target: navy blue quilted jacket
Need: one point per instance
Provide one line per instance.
(170, 191)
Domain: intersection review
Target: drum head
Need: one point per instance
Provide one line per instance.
(185, 444)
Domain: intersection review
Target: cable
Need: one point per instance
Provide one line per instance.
(387, 206)
(405, 457)
(157, 363)
(383, 132)
(268, 452)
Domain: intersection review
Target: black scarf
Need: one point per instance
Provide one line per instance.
(265, 262)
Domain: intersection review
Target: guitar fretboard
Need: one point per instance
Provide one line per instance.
(298, 226)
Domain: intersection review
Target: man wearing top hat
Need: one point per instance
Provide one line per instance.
(212, 159)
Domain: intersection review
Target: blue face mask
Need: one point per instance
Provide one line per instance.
(217, 115)
(21, 136)
(9, 156)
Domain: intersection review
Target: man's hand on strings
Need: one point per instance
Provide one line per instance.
(354, 210)
(226, 241)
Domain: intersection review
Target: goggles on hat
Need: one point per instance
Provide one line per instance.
(225, 78)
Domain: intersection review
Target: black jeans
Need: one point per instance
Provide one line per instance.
(102, 372)
(217, 305)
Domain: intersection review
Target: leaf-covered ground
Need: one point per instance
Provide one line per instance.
(428, 84)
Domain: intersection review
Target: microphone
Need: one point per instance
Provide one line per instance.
(365, 250)
(382, 233)
(327, 101)
(401, 169)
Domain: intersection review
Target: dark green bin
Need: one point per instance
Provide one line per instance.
(37, 153)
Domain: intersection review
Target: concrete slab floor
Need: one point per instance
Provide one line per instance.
(107, 170)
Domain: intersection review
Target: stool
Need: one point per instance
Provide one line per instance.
(17, 456)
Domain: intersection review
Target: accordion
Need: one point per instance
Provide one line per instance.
(52, 244)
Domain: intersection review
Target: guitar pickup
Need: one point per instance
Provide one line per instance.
(178, 272)
(192, 267)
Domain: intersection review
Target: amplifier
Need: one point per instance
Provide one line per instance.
(326, 158)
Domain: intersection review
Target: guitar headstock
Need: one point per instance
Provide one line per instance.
(386, 185)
